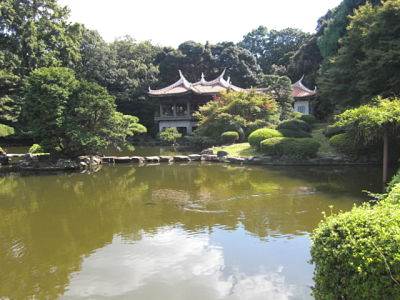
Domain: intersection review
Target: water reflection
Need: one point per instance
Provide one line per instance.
(182, 266)
(208, 231)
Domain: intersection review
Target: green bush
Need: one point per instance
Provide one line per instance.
(169, 135)
(229, 137)
(35, 149)
(290, 147)
(200, 142)
(309, 119)
(6, 130)
(295, 133)
(295, 124)
(259, 135)
(356, 254)
(343, 143)
(332, 130)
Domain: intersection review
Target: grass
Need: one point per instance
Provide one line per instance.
(237, 150)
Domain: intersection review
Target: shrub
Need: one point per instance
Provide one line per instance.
(309, 119)
(332, 130)
(169, 135)
(356, 254)
(6, 130)
(295, 124)
(200, 142)
(343, 143)
(35, 149)
(295, 133)
(290, 147)
(229, 137)
(259, 135)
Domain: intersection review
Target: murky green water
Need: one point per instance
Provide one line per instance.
(196, 231)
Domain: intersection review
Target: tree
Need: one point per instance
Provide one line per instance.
(280, 88)
(236, 111)
(170, 135)
(378, 121)
(194, 58)
(37, 34)
(73, 117)
(273, 47)
(368, 63)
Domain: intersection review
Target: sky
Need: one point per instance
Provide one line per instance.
(171, 22)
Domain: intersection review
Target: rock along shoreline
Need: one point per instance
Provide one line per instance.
(45, 163)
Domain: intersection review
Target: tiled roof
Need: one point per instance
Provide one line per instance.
(202, 87)
(300, 91)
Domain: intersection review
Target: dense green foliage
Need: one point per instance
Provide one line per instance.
(310, 119)
(6, 130)
(353, 76)
(273, 47)
(73, 117)
(295, 124)
(281, 89)
(236, 111)
(343, 143)
(332, 130)
(298, 133)
(300, 148)
(229, 137)
(356, 254)
(169, 135)
(257, 136)
(35, 149)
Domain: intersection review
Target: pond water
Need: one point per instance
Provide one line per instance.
(181, 231)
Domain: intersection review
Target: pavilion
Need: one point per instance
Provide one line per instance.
(181, 99)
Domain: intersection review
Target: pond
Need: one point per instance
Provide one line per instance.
(181, 231)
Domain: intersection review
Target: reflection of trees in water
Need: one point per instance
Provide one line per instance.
(49, 222)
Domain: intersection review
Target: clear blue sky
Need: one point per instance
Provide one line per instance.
(170, 22)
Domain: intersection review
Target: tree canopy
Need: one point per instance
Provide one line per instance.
(73, 117)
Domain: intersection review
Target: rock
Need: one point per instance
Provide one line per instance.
(108, 159)
(83, 165)
(236, 160)
(122, 159)
(181, 158)
(222, 153)
(166, 159)
(208, 151)
(195, 157)
(137, 159)
(210, 157)
(67, 164)
(152, 159)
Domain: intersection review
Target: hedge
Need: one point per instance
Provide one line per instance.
(295, 124)
(257, 136)
(309, 119)
(357, 253)
(343, 143)
(295, 133)
(229, 137)
(290, 147)
(331, 130)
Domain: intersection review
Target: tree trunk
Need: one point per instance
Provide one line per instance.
(385, 157)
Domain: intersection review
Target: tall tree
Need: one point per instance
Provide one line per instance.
(273, 47)
(368, 63)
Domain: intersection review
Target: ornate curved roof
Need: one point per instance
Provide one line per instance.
(300, 91)
(201, 87)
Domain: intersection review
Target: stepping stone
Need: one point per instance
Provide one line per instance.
(210, 157)
(122, 159)
(181, 158)
(137, 159)
(152, 159)
(195, 157)
(166, 159)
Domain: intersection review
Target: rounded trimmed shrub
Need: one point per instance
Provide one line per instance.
(257, 136)
(343, 143)
(309, 119)
(295, 124)
(290, 147)
(356, 254)
(295, 133)
(229, 137)
(35, 149)
(332, 130)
